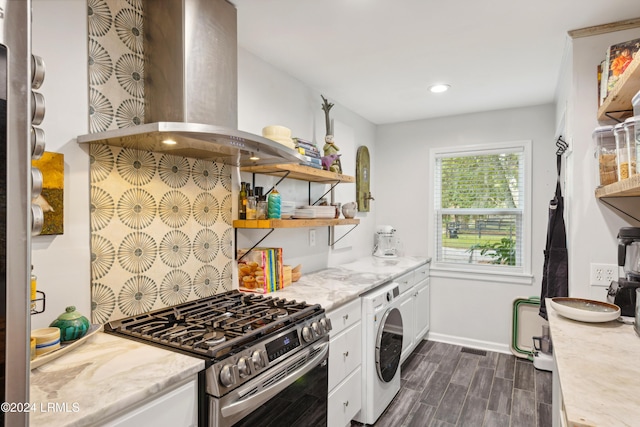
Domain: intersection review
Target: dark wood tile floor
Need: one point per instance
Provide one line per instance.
(446, 385)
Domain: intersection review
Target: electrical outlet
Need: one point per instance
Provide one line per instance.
(312, 237)
(603, 274)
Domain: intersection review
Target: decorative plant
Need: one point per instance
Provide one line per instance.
(502, 252)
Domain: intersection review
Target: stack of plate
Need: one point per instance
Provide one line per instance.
(315, 212)
(287, 209)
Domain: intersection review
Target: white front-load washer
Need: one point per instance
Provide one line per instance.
(382, 347)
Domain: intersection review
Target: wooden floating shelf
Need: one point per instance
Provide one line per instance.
(625, 188)
(299, 172)
(292, 223)
(619, 99)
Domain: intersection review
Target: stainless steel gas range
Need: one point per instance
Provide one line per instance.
(266, 358)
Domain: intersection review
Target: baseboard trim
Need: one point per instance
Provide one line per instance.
(467, 342)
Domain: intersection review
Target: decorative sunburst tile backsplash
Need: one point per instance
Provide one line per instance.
(116, 64)
(161, 226)
(160, 230)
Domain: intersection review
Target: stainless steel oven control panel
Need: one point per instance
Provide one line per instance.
(235, 370)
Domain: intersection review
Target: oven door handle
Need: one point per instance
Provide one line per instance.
(264, 395)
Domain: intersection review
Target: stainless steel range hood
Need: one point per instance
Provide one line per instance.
(191, 90)
(232, 147)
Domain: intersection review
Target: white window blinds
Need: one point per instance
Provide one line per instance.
(479, 205)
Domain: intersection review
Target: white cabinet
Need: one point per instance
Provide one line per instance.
(421, 307)
(345, 401)
(345, 360)
(176, 407)
(414, 308)
(407, 311)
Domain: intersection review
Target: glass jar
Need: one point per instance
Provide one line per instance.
(251, 207)
(261, 210)
(630, 141)
(605, 153)
(633, 141)
(622, 151)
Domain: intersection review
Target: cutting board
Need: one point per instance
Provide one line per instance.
(526, 324)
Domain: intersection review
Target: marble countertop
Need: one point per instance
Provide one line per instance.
(598, 370)
(102, 377)
(333, 287)
(108, 374)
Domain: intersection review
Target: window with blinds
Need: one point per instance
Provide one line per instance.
(480, 197)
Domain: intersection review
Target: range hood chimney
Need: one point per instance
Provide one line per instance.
(191, 86)
(191, 62)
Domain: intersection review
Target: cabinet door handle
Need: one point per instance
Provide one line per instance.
(346, 403)
(345, 317)
(346, 354)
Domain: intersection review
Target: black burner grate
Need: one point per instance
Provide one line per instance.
(215, 326)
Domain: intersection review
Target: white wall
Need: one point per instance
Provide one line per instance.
(593, 226)
(267, 96)
(475, 313)
(62, 262)
(399, 176)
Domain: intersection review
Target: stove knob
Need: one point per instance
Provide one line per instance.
(226, 376)
(317, 328)
(243, 367)
(326, 324)
(259, 359)
(307, 334)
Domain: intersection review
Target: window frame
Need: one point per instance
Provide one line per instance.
(492, 272)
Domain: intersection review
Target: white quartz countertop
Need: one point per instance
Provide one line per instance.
(599, 371)
(333, 287)
(108, 374)
(102, 377)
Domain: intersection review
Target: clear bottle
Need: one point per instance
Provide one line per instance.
(251, 207)
(273, 204)
(242, 201)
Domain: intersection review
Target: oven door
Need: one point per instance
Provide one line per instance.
(293, 392)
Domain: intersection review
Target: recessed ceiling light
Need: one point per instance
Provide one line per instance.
(254, 158)
(169, 142)
(439, 88)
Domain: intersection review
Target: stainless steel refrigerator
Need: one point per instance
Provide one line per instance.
(20, 109)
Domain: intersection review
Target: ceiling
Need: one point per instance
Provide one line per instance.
(377, 57)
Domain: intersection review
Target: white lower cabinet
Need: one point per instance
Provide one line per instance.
(345, 360)
(407, 311)
(345, 401)
(421, 310)
(414, 308)
(177, 407)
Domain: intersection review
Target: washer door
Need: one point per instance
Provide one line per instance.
(389, 345)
